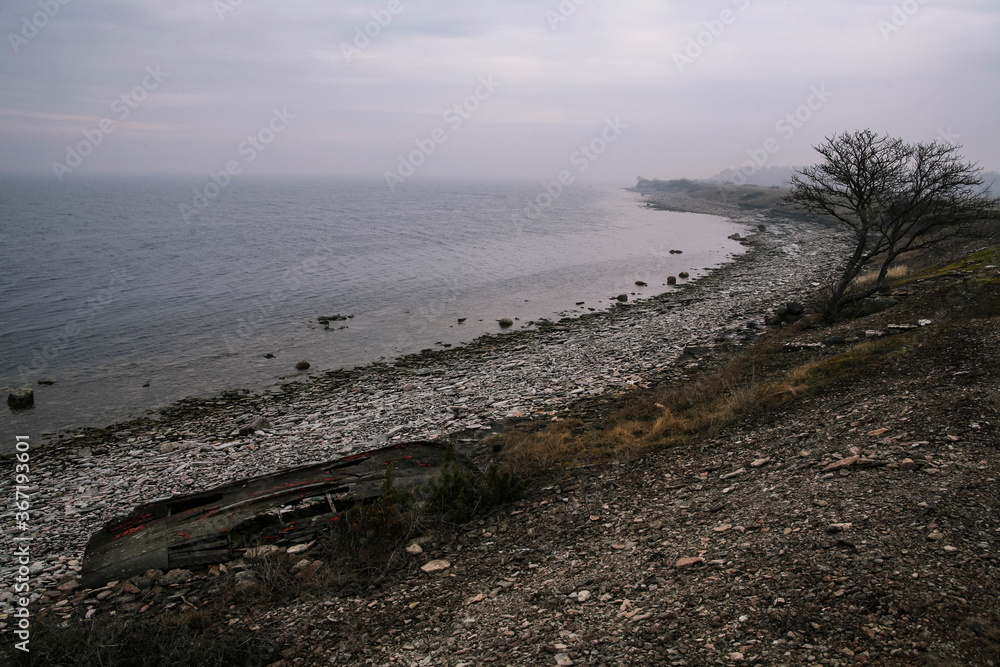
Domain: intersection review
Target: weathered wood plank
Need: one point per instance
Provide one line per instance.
(285, 507)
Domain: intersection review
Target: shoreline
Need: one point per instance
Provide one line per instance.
(458, 393)
(153, 376)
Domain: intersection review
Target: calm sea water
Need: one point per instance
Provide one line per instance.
(106, 287)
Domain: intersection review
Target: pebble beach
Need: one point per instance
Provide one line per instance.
(80, 482)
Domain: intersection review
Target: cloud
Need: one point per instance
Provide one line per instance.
(561, 80)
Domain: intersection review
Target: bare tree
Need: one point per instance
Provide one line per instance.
(893, 198)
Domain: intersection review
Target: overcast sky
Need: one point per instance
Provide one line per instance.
(658, 88)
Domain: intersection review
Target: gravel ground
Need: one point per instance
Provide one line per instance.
(856, 525)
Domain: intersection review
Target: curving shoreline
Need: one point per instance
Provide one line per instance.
(532, 374)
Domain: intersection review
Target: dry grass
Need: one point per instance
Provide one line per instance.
(664, 417)
(866, 280)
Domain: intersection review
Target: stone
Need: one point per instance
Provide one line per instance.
(298, 548)
(759, 462)
(176, 576)
(735, 473)
(683, 274)
(801, 324)
(302, 366)
(310, 570)
(262, 551)
(878, 432)
(69, 585)
(842, 463)
(300, 565)
(688, 562)
(258, 424)
(246, 580)
(435, 566)
(838, 527)
(563, 660)
(640, 283)
(908, 464)
(583, 596)
(20, 399)
(168, 447)
(505, 323)
(672, 280)
(414, 549)
(622, 297)
(128, 587)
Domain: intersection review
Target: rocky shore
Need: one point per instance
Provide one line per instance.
(79, 483)
(853, 525)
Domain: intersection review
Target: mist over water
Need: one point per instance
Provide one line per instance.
(106, 287)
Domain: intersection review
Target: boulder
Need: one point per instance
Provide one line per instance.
(176, 576)
(258, 424)
(19, 399)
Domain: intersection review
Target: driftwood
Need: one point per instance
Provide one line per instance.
(282, 508)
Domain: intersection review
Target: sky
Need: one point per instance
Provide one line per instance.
(494, 89)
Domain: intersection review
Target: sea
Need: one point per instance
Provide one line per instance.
(125, 294)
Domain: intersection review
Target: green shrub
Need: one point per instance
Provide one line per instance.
(459, 495)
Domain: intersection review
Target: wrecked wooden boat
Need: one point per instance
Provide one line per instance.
(287, 507)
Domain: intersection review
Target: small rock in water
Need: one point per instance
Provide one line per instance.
(622, 297)
(672, 280)
(302, 366)
(46, 381)
(20, 399)
(462, 319)
(684, 274)
(640, 283)
(506, 323)
(269, 356)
